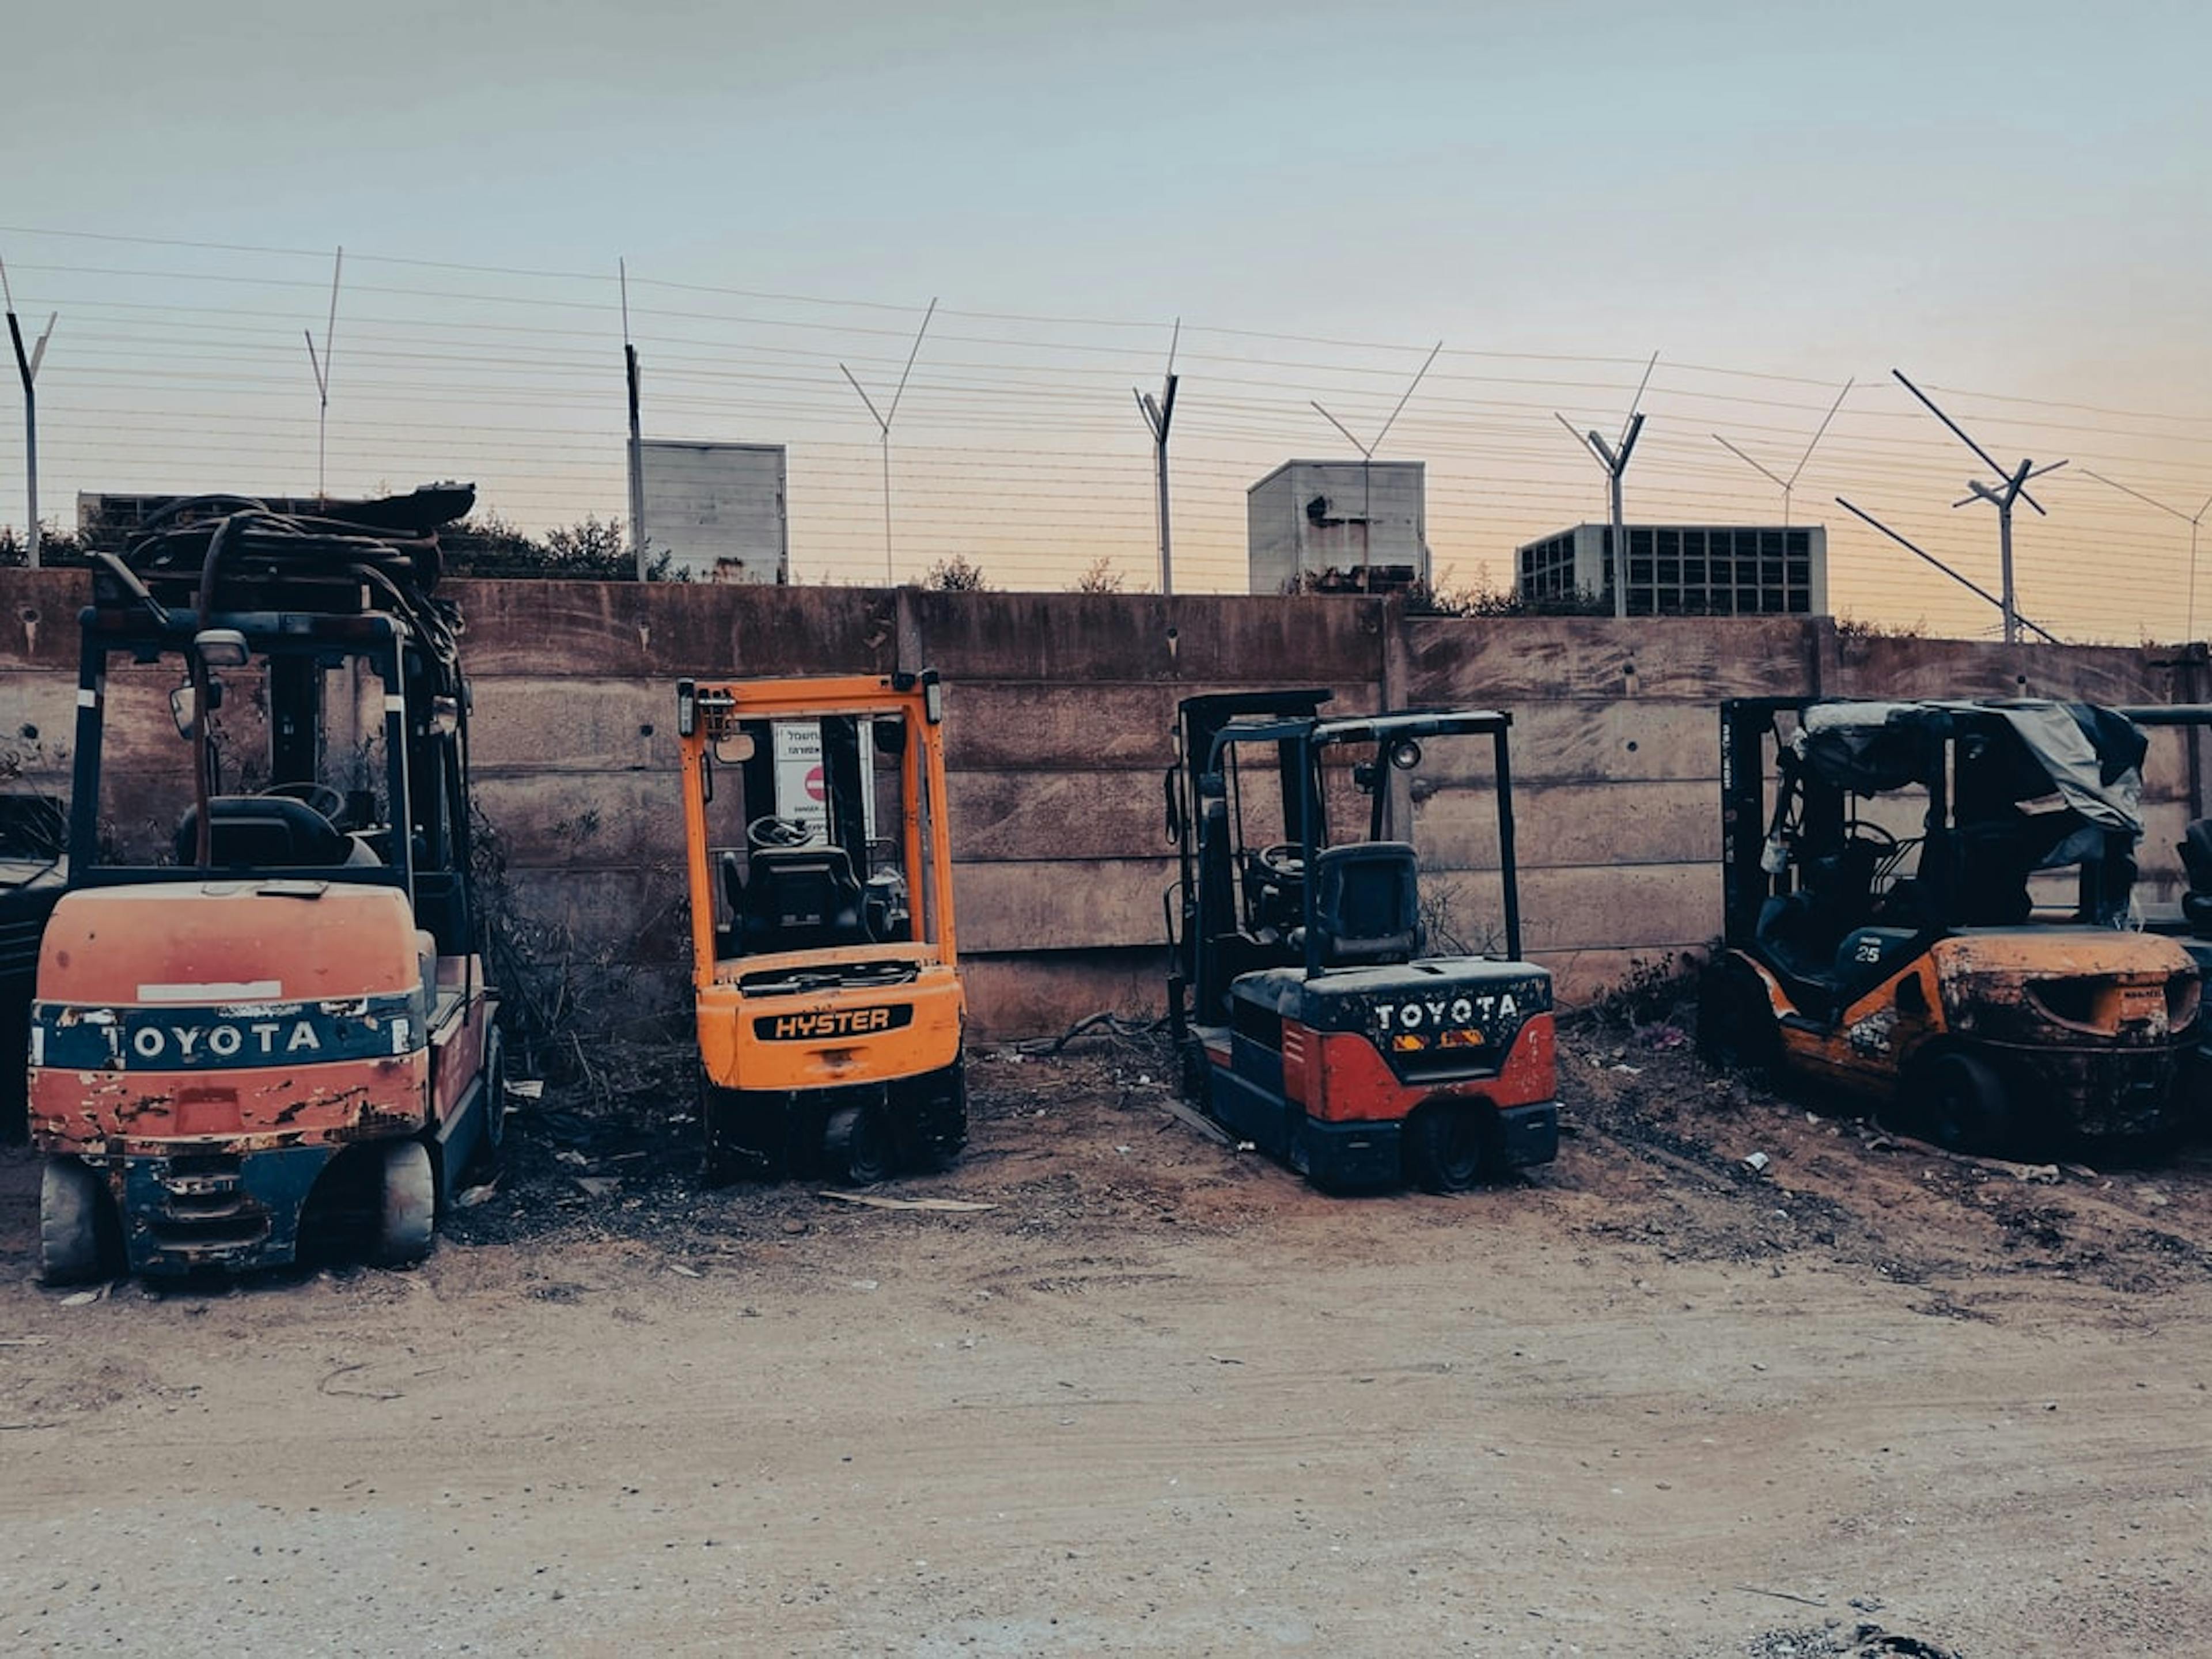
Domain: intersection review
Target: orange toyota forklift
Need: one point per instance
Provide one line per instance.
(261, 1009)
(825, 973)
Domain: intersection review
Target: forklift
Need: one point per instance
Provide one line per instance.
(1898, 924)
(825, 974)
(261, 1016)
(1325, 1003)
(2190, 922)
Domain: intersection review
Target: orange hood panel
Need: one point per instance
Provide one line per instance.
(216, 942)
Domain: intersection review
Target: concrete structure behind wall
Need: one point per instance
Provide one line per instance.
(1683, 570)
(1353, 526)
(718, 508)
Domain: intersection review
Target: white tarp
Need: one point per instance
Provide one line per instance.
(2052, 732)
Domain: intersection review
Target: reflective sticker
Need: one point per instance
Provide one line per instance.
(87, 698)
(244, 990)
(394, 703)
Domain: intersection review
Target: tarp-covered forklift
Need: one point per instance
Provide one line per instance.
(1901, 921)
(1335, 1001)
(825, 972)
(261, 1011)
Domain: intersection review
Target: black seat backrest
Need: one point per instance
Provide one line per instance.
(1366, 902)
(2196, 850)
(264, 832)
(802, 899)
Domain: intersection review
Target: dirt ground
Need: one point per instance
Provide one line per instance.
(1159, 1398)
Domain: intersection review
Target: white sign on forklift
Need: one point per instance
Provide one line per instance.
(801, 795)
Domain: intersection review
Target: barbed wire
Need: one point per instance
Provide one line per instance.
(1016, 444)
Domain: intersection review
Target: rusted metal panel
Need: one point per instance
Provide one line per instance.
(2087, 1026)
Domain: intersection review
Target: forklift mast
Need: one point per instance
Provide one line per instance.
(1197, 798)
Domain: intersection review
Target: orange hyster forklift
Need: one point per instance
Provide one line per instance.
(1335, 993)
(261, 1007)
(826, 978)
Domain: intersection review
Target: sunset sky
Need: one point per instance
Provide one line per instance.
(2007, 202)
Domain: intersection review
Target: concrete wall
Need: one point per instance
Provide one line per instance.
(1057, 730)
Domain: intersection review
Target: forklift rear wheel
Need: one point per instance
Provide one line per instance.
(1445, 1149)
(79, 1237)
(495, 1102)
(856, 1144)
(1965, 1107)
(409, 1206)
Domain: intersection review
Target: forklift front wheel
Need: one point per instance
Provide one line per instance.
(1963, 1105)
(409, 1206)
(1736, 1018)
(1445, 1146)
(79, 1236)
(856, 1145)
(1196, 1073)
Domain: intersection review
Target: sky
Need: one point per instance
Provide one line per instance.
(2006, 202)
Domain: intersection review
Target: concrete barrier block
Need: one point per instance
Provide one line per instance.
(1067, 816)
(1003, 907)
(1504, 661)
(586, 821)
(1041, 993)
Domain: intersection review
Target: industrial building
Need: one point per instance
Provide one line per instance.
(717, 509)
(1682, 570)
(1352, 527)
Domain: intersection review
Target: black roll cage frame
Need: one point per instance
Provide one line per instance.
(1747, 822)
(1214, 727)
(380, 638)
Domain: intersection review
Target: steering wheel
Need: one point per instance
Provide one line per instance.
(1282, 861)
(1866, 829)
(323, 798)
(771, 831)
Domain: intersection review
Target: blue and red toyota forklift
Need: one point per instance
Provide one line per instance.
(1337, 994)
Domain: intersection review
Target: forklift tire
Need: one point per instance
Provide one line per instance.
(1196, 1074)
(407, 1208)
(1735, 1018)
(494, 1098)
(79, 1236)
(856, 1145)
(1446, 1146)
(1963, 1106)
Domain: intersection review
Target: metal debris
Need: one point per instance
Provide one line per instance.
(873, 1201)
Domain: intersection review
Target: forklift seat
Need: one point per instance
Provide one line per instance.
(267, 832)
(2196, 850)
(1367, 902)
(803, 898)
